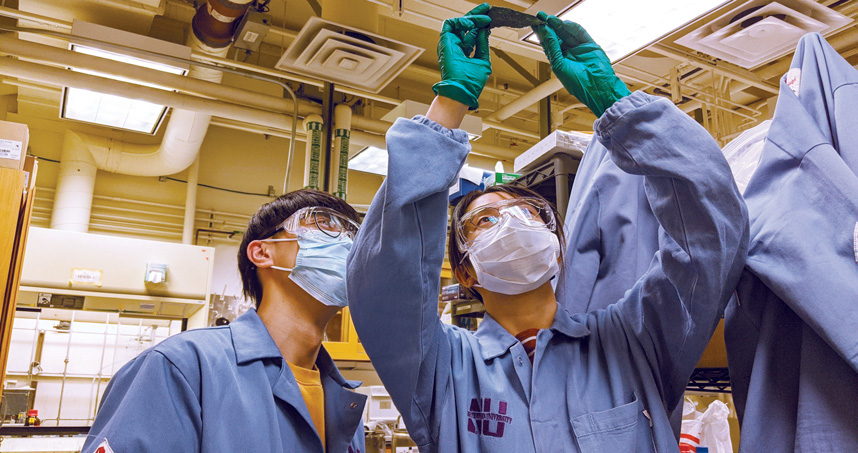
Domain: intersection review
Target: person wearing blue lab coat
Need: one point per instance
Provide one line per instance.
(596, 382)
(792, 333)
(263, 383)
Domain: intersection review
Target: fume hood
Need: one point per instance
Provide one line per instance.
(72, 270)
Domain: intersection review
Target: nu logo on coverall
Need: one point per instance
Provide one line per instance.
(481, 419)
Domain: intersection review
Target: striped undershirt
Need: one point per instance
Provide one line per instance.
(527, 338)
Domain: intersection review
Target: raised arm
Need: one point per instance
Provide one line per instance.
(394, 268)
(673, 309)
(703, 236)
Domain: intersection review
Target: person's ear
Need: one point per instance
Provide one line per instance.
(259, 254)
(464, 275)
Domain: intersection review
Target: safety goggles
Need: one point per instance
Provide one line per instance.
(316, 218)
(531, 212)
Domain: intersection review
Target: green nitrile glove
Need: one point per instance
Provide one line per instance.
(580, 64)
(462, 76)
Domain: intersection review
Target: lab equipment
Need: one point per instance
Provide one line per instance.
(317, 218)
(156, 273)
(507, 17)
(534, 213)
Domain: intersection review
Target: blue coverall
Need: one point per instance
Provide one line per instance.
(599, 382)
(792, 337)
(223, 389)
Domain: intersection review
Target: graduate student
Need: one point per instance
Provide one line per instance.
(534, 378)
(264, 383)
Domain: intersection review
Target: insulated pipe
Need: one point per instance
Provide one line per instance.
(314, 127)
(63, 77)
(194, 84)
(75, 186)
(340, 151)
(191, 202)
(177, 151)
(533, 96)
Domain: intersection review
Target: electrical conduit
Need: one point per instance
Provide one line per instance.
(340, 153)
(314, 127)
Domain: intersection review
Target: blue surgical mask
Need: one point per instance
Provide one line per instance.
(320, 267)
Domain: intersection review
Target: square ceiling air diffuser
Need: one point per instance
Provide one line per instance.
(346, 56)
(759, 31)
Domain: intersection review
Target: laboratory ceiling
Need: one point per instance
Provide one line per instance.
(723, 96)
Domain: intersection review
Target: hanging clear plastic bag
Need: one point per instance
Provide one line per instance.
(705, 429)
(716, 428)
(692, 427)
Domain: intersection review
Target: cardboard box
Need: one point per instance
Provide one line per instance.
(502, 178)
(14, 138)
(469, 180)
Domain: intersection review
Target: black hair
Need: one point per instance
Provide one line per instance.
(456, 255)
(268, 217)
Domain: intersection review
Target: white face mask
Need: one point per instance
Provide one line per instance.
(513, 258)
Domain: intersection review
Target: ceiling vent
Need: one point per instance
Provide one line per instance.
(759, 31)
(346, 56)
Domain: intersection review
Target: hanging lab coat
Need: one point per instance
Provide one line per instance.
(599, 382)
(792, 337)
(223, 389)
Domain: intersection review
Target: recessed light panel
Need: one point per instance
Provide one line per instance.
(621, 27)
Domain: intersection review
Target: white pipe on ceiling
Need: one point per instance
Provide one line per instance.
(42, 53)
(75, 186)
(191, 202)
(371, 133)
(533, 96)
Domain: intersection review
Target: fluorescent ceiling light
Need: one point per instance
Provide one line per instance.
(115, 111)
(621, 27)
(370, 160)
(127, 59)
(374, 160)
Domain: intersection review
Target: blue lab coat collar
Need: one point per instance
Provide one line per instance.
(252, 341)
(343, 408)
(495, 340)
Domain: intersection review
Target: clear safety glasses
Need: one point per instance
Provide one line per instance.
(316, 218)
(533, 212)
